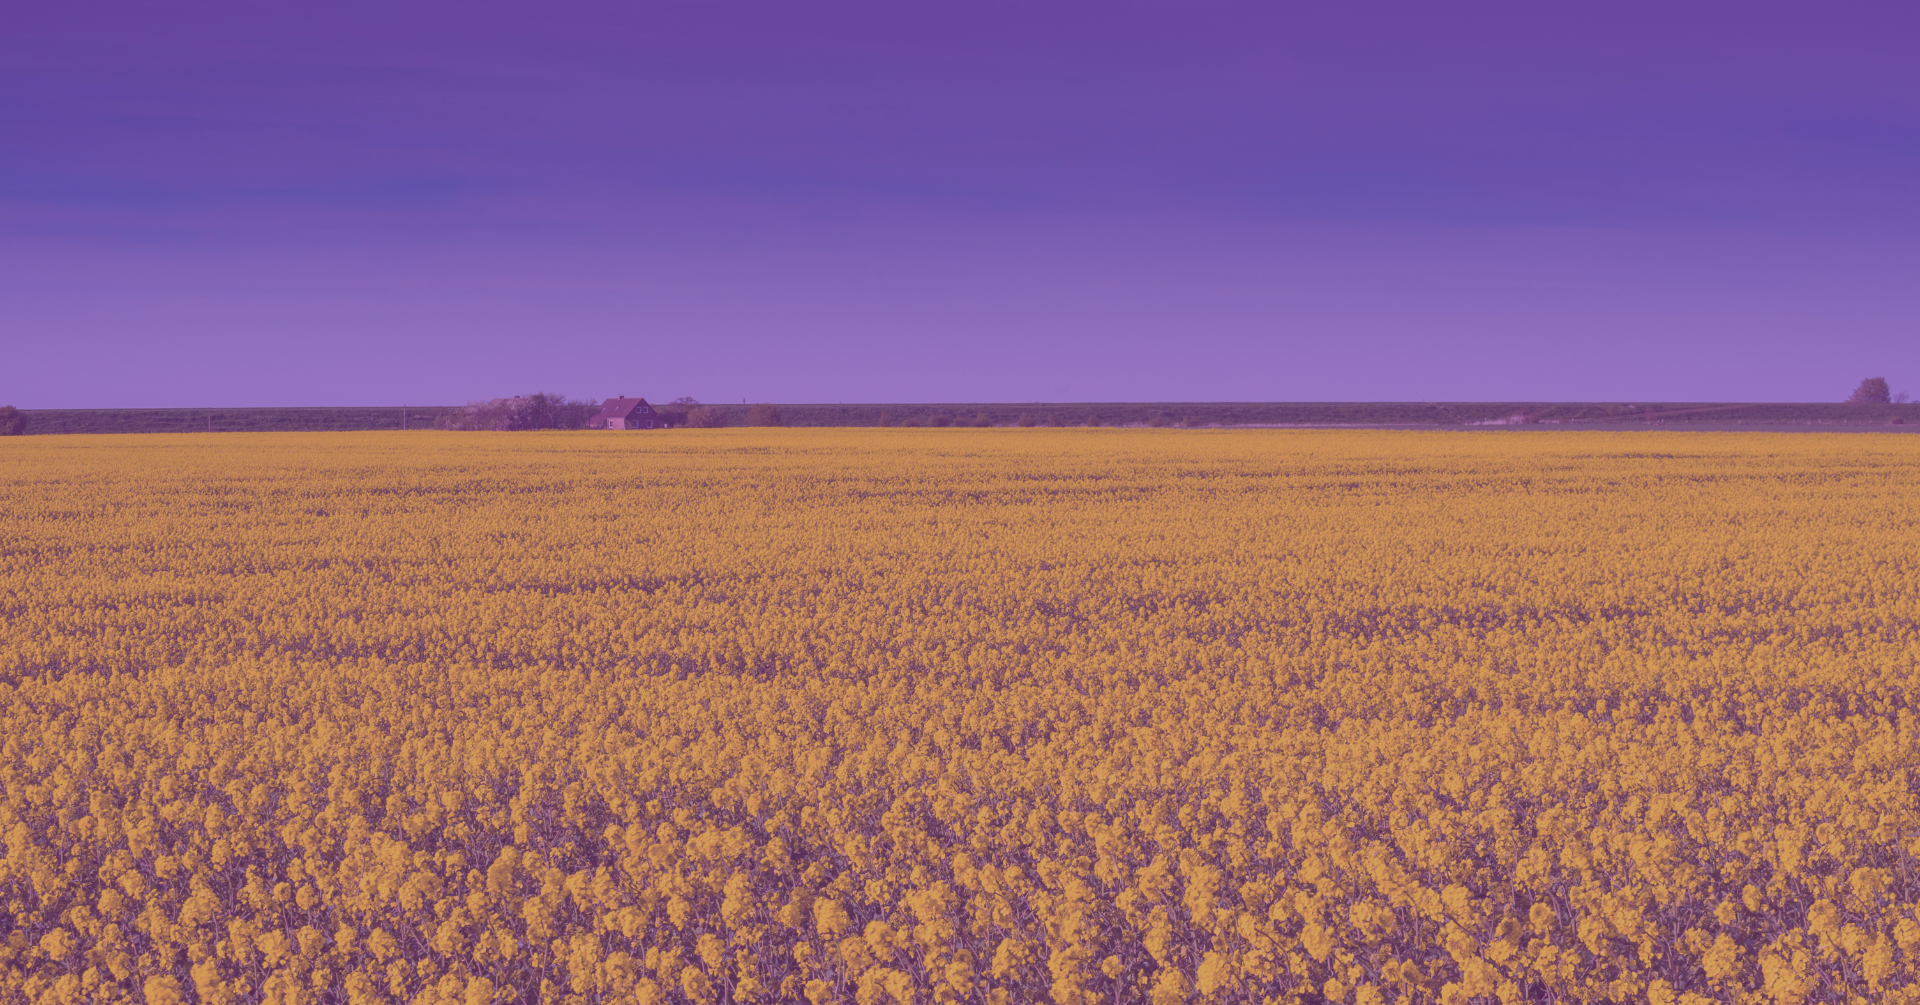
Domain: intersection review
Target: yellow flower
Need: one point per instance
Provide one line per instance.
(697, 986)
(831, 713)
(162, 990)
(829, 918)
(1170, 988)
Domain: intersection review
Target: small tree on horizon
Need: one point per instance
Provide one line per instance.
(13, 422)
(765, 414)
(1872, 391)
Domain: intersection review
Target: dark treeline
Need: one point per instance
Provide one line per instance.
(531, 411)
(558, 412)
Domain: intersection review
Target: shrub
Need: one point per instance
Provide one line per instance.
(885, 420)
(1054, 419)
(13, 422)
(556, 411)
(941, 420)
(1872, 391)
(705, 417)
(535, 411)
(674, 413)
(1159, 419)
(980, 421)
(494, 415)
(765, 414)
(1025, 421)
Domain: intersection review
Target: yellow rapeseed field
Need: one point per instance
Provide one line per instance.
(1009, 717)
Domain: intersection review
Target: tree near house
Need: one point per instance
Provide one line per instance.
(705, 417)
(675, 412)
(555, 411)
(1872, 391)
(534, 411)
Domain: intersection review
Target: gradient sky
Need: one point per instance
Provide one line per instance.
(269, 202)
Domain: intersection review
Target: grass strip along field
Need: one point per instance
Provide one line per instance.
(901, 717)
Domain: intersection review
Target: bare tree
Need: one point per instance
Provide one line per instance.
(765, 414)
(1872, 391)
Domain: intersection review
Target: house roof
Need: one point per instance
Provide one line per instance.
(623, 408)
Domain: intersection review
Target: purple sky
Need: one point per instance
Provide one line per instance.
(370, 203)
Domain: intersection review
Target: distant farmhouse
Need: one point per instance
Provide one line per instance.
(626, 413)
